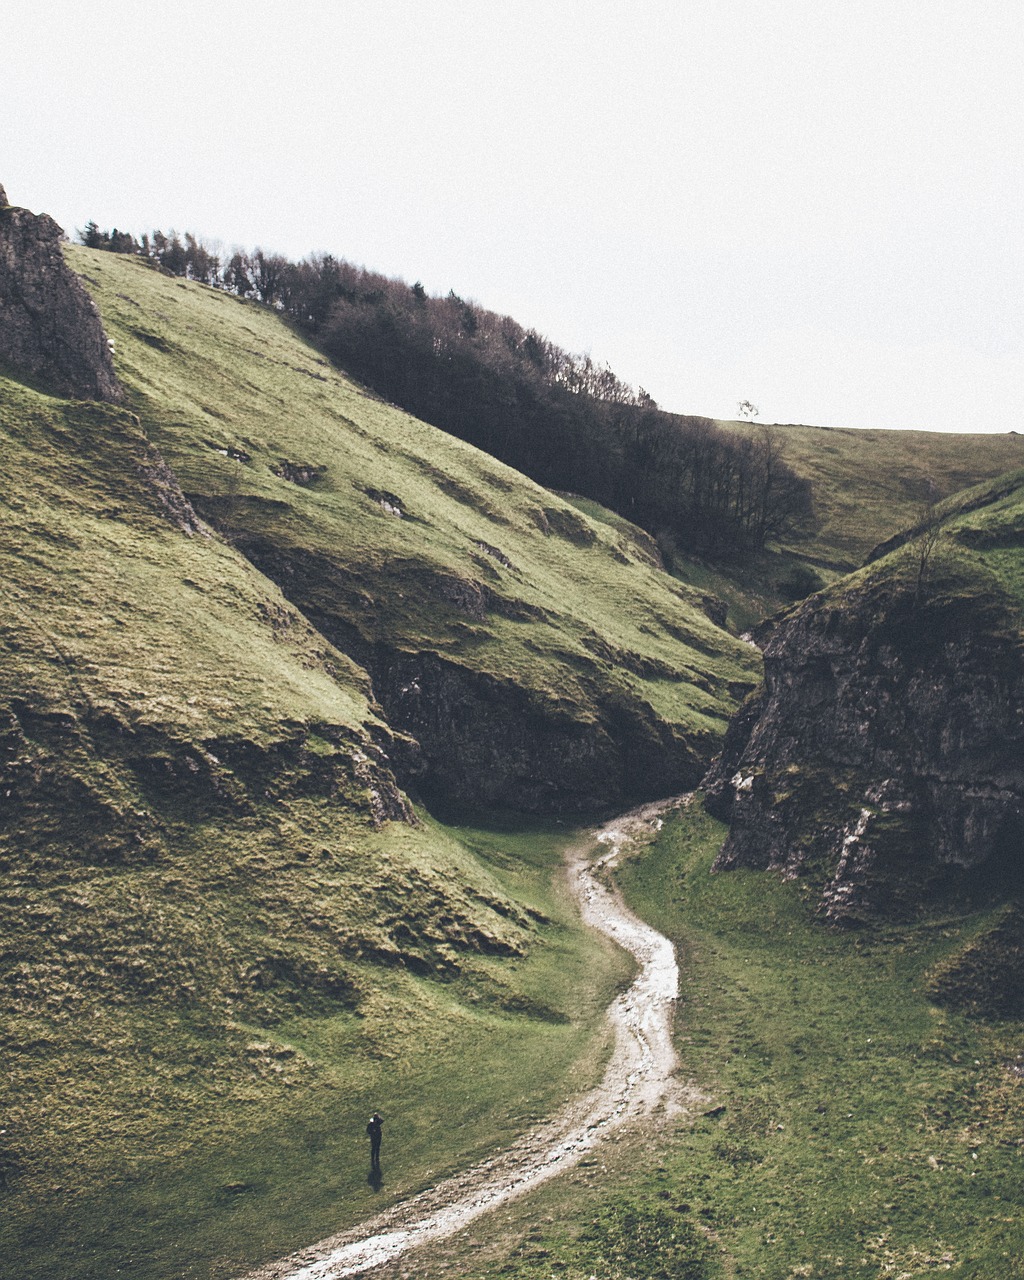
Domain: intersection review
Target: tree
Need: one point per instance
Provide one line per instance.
(200, 263)
(927, 532)
(92, 237)
(267, 271)
(237, 276)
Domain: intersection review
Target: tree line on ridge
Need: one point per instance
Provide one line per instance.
(562, 419)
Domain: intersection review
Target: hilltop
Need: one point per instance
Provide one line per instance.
(865, 487)
(757, 515)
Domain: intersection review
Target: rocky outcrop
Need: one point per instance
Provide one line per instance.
(484, 738)
(97, 790)
(489, 741)
(884, 756)
(49, 327)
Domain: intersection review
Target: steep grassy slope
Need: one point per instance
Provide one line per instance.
(540, 658)
(224, 935)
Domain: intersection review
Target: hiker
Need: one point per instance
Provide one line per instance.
(373, 1132)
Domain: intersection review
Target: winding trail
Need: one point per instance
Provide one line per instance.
(638, 1080)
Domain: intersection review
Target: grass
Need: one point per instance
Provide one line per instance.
(214, 959)
(868, 486)
(494, 573)
(184, 1145)
(866, 1132)
(851, 1128)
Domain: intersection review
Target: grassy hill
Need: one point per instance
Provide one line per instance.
(869, 484)
(867, 487)
(480, 603)
(226, 932)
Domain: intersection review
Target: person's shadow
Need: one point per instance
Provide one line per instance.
(375, 1178)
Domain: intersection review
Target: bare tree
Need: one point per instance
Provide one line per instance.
(927, 532)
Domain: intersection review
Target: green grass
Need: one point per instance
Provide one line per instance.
(761, 584)
(866, 1132)
(851, 1128)
(484, 567)
(218, 946)
(227, 1145)
(867, 487)
(214, 958)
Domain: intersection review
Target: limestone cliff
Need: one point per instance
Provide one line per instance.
(49, 327)
(884, 755)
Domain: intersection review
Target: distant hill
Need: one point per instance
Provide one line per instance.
(867, 485)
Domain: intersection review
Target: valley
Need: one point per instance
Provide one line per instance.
(302, 703)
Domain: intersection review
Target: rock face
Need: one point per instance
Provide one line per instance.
(884, 756)
(489, 741)
(49, 327)
(483, 739)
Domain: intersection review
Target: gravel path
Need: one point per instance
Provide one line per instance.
(638, 1081)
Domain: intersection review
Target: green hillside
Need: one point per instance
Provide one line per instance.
(974, 551)
(869, 484)
(450, 577)
(226, 932)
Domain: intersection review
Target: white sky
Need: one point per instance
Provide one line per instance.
(813, 204)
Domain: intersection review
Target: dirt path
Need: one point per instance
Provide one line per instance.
(637, 1082)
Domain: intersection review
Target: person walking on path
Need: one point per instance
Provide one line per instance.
(373, 1132)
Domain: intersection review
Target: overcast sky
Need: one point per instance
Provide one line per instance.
(815, 206)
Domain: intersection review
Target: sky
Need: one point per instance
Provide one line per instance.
(813, 206)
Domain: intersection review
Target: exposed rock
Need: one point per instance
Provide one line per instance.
(305, 474)
(49, 327)
(163, 483)
(714, 609)
(490, 741)
(485, 739)
(885, 754)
